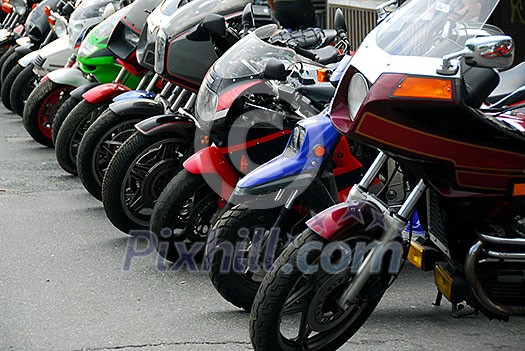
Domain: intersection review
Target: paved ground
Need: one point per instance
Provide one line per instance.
(63, 286)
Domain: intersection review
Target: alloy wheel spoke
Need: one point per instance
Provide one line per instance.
(299, 300)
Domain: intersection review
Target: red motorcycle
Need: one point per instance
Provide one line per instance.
(415, 90)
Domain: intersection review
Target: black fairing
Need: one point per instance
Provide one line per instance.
(137, 14)
(36, 25)
(133, 20)
(188, 61)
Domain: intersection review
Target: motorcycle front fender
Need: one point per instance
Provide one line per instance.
(7, 37)
(142, 107)
(23, 41)
(104, 92)
(25, 49)
(212, 161)
(343, 220)
(78, 92)
(68, 76)
(28, 58)
(134, 94)
(180, 126)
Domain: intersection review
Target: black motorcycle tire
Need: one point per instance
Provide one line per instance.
(62, 114)
(71, 132)
(239, 288)
(277, 286)
(8, 87)
(116, 179)
(5, 55)
(92, 142)
(184, 196)
(23, 83)
(40, 109)
(9, 63)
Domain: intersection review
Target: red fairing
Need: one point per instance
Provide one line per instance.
(212, 161)
(132, 65)
(347, 218)
(104, 92)
(227, 98)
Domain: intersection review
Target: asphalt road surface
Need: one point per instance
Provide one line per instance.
(63, 285)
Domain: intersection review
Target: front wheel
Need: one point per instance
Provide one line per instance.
(243, 229)
(184, 210)
(138, 172)
(10, 62)
(41, 107)
(62, 114)
(19, 83)
(72, 131)
(98, 145)
(297, 308)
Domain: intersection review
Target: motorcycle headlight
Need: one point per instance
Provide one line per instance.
(206, 103)
(86, 49)
(357, 92)
(131, 37)
(160, 47)
(297, 139)
(60, 28)
(20, 6)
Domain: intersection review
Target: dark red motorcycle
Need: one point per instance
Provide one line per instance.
(415, 90)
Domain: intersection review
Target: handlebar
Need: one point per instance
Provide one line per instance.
(306, 53)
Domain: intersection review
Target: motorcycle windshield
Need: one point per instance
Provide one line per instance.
(91, 8)
(430, 28)
(187, 16)
(249, 56)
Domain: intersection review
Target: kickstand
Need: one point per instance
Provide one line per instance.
(439, 297)
(459, 310)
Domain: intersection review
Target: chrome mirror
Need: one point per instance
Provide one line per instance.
(492, 52)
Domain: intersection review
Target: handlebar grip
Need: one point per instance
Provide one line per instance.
(306, 53)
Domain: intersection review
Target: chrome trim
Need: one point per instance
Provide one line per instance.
(502, 241)
(505, 255)
(477, 288)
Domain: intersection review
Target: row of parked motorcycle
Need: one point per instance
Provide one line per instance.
(175, 115)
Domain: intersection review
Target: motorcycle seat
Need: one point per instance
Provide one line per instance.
(323, 92)
(326, 55)
(510, 80)
(309, 38)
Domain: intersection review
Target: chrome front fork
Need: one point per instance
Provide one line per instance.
(394, 223)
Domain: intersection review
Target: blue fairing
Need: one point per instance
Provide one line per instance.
(319, 131)
(134, 94)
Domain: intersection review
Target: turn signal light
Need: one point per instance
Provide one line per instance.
(51, 20)
(423, 255)
(33, 6)
(322, 75)
(443, 281)
(518, 189)
(47, 10)
(415, 255)
(7, 7)
(319, 150)
(424, 88)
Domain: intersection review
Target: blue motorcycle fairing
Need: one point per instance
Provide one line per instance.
(319, 131)
(134, 94)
